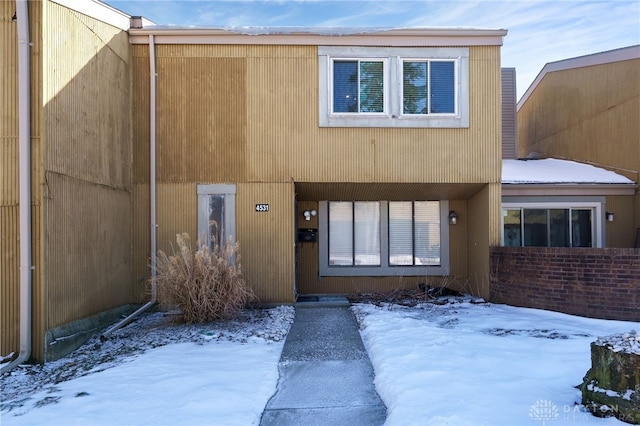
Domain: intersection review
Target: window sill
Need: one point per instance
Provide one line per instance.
(394, 122)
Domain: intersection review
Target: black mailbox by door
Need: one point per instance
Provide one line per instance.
(307, 235)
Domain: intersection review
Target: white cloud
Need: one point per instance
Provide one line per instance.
(540, 31)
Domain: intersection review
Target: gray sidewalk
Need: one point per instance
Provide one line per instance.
(326, 377)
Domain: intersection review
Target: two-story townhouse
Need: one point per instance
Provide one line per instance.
(341, 161)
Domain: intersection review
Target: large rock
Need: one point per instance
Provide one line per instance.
(612, 385)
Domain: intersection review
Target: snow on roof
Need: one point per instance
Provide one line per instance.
(552, 171)
(332, 31)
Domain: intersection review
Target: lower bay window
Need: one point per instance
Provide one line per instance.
(376, 238)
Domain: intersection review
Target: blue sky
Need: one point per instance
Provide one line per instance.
(540, 31)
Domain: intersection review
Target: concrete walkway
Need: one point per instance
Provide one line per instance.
(326, 377)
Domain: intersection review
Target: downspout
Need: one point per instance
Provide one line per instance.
(24, 171)
(152, 189)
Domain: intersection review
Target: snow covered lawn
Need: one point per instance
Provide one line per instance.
(453, 364)
(481, 364)
(155, 373)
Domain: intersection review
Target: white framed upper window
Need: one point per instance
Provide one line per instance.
(429, 87)
(359, 86)
(393, 87)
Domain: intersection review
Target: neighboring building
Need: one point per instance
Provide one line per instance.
(583, 110)
(560, 203)
(68, 101)
(336, 159)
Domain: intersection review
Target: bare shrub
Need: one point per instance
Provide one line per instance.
(205, 285)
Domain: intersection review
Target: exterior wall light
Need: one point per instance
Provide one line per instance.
(309, 213)
(453, 218)
(609, 216)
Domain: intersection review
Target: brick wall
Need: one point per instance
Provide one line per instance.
(597, 283)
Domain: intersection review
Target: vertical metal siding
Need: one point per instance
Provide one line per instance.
(265, 118)
(141, 242)
(581, 113)
(587, 114)
(620, 232)
(266, 239)
(84, 169)
(201, 119)
(177, 213)
(88, 249)
(508, 113)
(9, 261)
(283, 138)
(249, 115)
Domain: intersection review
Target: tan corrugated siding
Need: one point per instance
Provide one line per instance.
(617, 232)
(266, 239)
(587, 114)
(177, 212)
(581, 113)
(88, 246)
(458, 256)
(87, 162)
(265, 107)
(284, 140)
(86, 100)
(483, 232)
(508, 113)
(141, 243)
(9, 261)
(201, 119)
(9, 275)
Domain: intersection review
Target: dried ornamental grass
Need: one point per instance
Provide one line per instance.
(205, 285)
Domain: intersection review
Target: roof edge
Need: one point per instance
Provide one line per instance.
(98, 10)
(600, 58)
(319, 36)
(533, 189)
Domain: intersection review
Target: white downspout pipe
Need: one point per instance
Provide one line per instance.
(152, 190)
(24, 171)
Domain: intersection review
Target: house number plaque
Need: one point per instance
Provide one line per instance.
(262, 207)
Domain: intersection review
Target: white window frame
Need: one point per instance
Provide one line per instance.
(393, 111)
(228, 191)
(456, 87)
(384, 269)
(385, 71)
(597, 227)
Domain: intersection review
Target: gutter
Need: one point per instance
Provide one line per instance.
(408, 37)
(546, 189)
(152, 190)
(24, 171)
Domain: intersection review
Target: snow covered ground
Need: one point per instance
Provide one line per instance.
(481, 364)
(153, 372)
(457, 363)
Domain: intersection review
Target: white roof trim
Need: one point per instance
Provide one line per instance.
(531, 190)
(617, 55)
(98, 10)
(413, 37)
